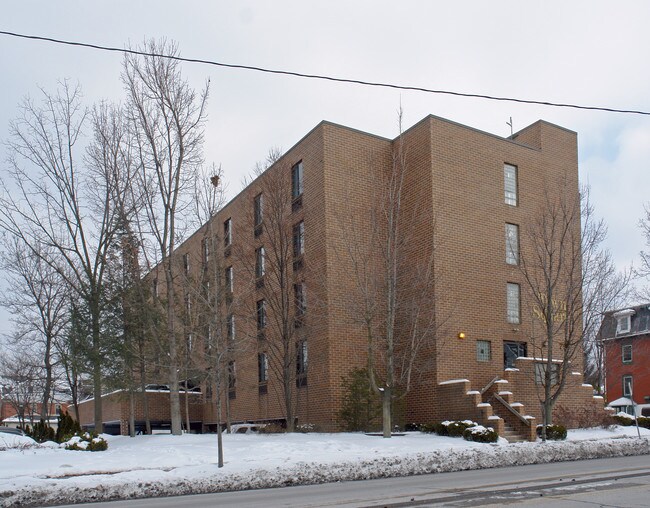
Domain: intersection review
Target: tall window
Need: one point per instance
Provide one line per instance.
(229, 279)
(296, 181)
(483, 350)
(186, 263)
(259, 263)
(302, 357)
(510, 184)
(232, 379)
(155, 288)
(230, 325)
(299, 239)
(205, 247)
(512, 244)
(626, 353)
(227, 232)
(258, 211)
(623, 324)
(261, 314)
(300, 296)
(262, 368)
(512, 303)
(627, 386)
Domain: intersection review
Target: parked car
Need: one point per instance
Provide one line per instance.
(11, 430)
(246, 428)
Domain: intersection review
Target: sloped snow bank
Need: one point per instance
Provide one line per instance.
(208, 478)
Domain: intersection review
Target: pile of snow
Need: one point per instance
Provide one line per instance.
(161, 465)
(13, 441)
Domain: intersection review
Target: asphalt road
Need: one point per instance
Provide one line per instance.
(611, 482)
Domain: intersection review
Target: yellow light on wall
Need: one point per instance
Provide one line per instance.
(461, 335)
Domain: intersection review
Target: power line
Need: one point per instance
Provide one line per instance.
(328, 78)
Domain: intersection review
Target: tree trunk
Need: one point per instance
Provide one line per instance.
(143, 388)
(47, 389)
(131, 413)
(386, 399)
(219, 433)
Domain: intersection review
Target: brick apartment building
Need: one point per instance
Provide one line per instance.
(625, 336)
(475, 191)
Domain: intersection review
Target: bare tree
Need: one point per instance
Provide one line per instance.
(167, 118)
(570, 281)
(37, 298)
(23, 382)
(644, 270)
(273, 259)
(395, 289)
(50, 203)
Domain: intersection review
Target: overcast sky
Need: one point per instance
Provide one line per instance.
(584, 52)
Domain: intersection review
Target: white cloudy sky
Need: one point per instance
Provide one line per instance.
(584, 51)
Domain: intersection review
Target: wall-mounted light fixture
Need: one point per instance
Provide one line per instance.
(461, 335)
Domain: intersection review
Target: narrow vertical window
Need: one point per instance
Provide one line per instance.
(258, 210)
(510, 184)
(512, 303)
(205, 247)
(155, 288)
(302, 357)
(262, 368)
(227, 232)
(299, 239)
(259, 263)
(232, 379)
(261, 314)
(186, 263)
(626, 353)
(627, 386)
(229, 279)
(230, 325)
(296, 180)
(512, 244)
(300, 296)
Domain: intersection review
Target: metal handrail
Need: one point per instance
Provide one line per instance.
(512, 410)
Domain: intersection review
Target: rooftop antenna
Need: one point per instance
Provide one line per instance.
(510, 124)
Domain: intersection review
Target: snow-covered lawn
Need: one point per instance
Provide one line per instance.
(150, 465)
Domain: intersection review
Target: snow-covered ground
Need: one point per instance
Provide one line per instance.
(163, 464)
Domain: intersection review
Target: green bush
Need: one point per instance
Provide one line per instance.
(481, 434)
(67, 427)
(644, 422)
(429, 428)
(361, 406)
(623, 419)
(553, 432)
(457, 428)
(41, 432)
(87, 442)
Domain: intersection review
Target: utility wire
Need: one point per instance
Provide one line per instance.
(327, 78)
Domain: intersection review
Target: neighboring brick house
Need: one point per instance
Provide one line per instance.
(479, 189)
(625, 335)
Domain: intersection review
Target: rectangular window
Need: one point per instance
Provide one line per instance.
(232, 379)
(512, 303)
(186, 263)
(155, 288)
(483, 350)
(229, 279)
(259, 263)
(230, 325)
(261, 314)
(262, 368)
(626, 353)
(299, 239)
(511, 351)
(627, 386)
(512, 244)
(188, 303)
(205, 248)
(510, 184)
(258, 204)
(227, 232)
(623, 324)
(300, 296)
(302, 357)
(296, 181)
